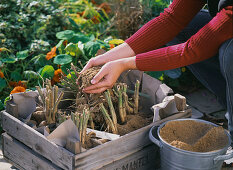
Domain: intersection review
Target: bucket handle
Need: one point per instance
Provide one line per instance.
(153, 139)
(223, 157)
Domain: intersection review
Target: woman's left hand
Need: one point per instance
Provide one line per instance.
(109, 73)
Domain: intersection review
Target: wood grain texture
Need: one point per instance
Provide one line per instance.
(23, 157)
(36, 141)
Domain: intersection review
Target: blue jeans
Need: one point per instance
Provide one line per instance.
(215, 73)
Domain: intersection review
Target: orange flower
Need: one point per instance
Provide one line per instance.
(1, 74)
(80, 14)
(51, 54)
(20, 83)
(57, 75)
(112, 46)
(18, 89)
(105, 7)
(95, 19)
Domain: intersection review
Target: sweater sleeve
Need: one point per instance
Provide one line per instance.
(165, 27)
(203, 45)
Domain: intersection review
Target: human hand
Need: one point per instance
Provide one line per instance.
(96, 61)
(119, 52)
(109, 73)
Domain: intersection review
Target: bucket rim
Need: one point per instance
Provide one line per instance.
(191, 152)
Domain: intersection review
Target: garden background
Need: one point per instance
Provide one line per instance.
(40, 39)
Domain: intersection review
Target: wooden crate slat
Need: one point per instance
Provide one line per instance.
(24, 157)
(146, 158)
(39, 143)
(118, 149)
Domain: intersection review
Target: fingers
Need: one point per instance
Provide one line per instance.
(100, 90)
(88, 65)
(98, 76)
(101, 84)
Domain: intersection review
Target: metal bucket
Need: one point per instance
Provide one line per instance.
(173, 158)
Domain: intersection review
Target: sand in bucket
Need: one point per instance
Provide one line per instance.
(194, 136)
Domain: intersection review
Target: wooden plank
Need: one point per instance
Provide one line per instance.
(73, 145)
(112, 151)
(38, 142)
(147, 158)
(24, 157)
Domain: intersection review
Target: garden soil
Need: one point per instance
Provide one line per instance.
(194, 136)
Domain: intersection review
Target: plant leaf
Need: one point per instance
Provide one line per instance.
(73, 49)
(2, 84)
(65, 35)
(16, 76)
(62, 59)
(91, 48)
(80, 37)
(30, 74)
(47, 72)
(21, 55)
(41, 60)
(10, 59)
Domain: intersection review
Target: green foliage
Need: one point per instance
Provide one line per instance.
(62, 59)
(23, 21)
(29, 29)
(153, 8)
(2, 83)
(47, 72)
(21, 55)
(88, 17)
(65, 35)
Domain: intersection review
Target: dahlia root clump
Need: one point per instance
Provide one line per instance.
(104, 111)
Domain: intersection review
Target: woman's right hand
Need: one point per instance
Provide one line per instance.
(121, 51)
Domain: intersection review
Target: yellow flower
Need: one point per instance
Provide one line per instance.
(161, 78)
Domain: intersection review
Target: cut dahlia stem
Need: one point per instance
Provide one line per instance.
(56, 104)
(107, 118)
(85, 122)
(136, 96)
(47, 109)
(111, 107)
(91, 122)
(41, 95)
(123, 101)
(77, 119)
(81, 125)
(120, 103)
(126, 99)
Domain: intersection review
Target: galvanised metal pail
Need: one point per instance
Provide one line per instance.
(173, 158)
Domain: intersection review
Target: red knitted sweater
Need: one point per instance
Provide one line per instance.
(146, 42)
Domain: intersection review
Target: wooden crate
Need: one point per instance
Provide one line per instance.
(28, 149)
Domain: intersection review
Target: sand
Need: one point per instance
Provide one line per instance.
(194, 136)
